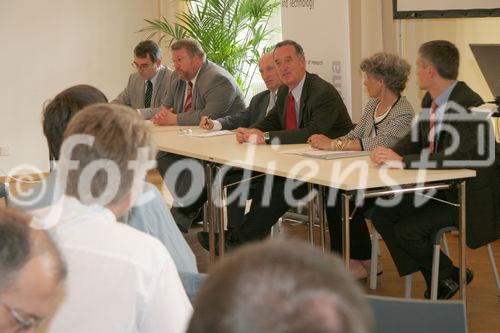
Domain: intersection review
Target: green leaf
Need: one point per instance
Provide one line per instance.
(233, 33)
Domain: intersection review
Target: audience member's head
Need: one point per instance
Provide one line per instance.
(437, 59)
(59, 111)
(280, 287)
(388, 68)
(188, 57)
(31, 272)
(269, 73)
(106, 153)
(147, 59)
(290, 62)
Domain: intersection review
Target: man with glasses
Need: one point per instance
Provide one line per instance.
(31, 273)
(146, 88)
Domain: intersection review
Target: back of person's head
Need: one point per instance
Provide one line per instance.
(19, 243)
(299, 51)
(59, 111)
(148, 47)
(113, 149)
(443, 55)
(192, 47)
(280, 287)
(389, 68)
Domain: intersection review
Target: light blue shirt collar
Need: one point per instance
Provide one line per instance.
(441, 101)
(297, 94)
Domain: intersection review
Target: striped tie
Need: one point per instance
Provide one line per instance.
(432, 127)
(187, 104)
(148, 94)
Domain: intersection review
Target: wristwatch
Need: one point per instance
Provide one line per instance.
(267, 140)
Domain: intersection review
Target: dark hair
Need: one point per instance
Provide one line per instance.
(280, 286)
(389, 68)
(148, 47)
(192, 46)
(14, 245)
(443, 55)
(19, 243)
(59, 111)
(299, 51)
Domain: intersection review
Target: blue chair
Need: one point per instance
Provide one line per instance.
(395, 315)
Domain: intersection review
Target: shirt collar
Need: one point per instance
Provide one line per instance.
(153, 79)
(297, 91)
(445, 95)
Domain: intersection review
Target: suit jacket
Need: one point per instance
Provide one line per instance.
(215, 94)
(254, 113)
(393, 127)
(322, 111)
(483, 191)
(133, 94)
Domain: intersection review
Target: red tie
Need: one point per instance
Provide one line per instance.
(432, 127)
(291, 116)
(187, 104)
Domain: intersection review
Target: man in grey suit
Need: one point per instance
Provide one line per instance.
(259, 105)
(146, 88)
(201, 88)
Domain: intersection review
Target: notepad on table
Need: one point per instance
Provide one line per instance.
(325, 154)
(209, 134)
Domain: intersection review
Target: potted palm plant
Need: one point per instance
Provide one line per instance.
(233, 33)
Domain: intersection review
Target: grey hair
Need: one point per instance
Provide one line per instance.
(280, 286)
(390, 68)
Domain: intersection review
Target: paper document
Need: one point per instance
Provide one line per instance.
(325, 154)
(209, 134)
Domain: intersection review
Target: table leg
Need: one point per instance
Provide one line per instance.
(312, 207)
(322, 216)
(462, 232)
(209, 178)
(345, 230)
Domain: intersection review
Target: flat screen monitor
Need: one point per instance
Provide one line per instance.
(488, 59)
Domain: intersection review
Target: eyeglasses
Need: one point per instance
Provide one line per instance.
(23, 323)
(141, 66)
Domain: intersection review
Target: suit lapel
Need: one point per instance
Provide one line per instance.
(303, 98)
(156, 88)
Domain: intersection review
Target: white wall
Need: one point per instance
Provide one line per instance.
(49, 45)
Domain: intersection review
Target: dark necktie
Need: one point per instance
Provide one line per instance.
(432, 127)
(148, 94)
(187, 104)
(291, 116)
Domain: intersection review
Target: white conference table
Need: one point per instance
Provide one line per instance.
(352, 176)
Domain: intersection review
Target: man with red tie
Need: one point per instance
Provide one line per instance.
(200, 89)
(306, 105)
(447, 135)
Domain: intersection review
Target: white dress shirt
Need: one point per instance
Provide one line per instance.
(119, 279)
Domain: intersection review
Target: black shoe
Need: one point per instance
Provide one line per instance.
(183, 219)
(447, 288)
(229, 242)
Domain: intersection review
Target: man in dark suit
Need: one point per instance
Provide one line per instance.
(406, 228)
(146, 88)
(306, 105)
(259, 105)
(200, 88)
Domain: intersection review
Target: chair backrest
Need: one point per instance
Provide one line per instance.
(4, 192)
(411, 316)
